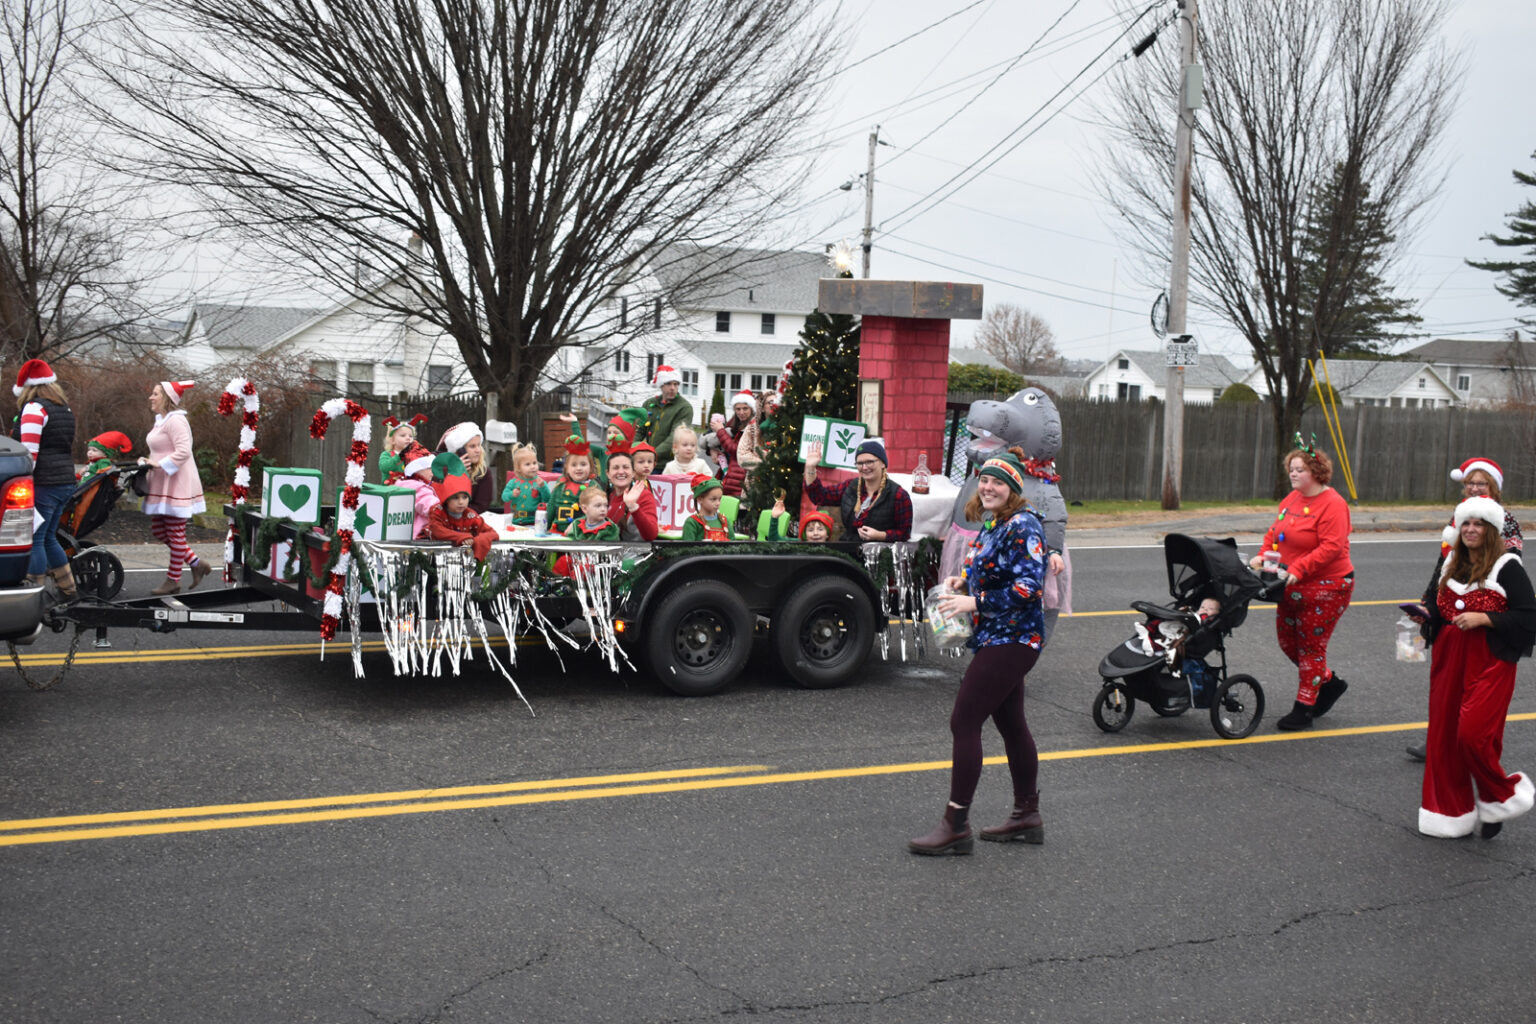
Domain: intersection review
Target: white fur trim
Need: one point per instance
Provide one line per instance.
(1518, 803)
(459, 435)
(1460, 472)
(1443, 826)
(1448, 536)
(667, 375)
(412, 468)
(169, 465)
(1486, 509)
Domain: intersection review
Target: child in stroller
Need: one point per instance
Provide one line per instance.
(98, 572)
(1166, 663)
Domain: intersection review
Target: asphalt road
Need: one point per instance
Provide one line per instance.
(425, 850)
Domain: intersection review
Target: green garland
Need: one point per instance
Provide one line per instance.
(625, 582)
(266, 535)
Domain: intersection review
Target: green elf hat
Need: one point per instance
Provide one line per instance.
(577, 445)
(702, 485)
(628, 422)
(451, 476)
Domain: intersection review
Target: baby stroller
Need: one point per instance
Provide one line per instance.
(1166, 664)
(97, 571)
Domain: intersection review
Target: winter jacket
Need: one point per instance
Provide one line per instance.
(1004, 570)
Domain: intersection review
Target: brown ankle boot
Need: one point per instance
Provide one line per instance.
(199, 570)
(170, 586)
(1024, 824)
(953, 835)
(64, 579)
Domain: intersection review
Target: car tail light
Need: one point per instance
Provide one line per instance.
(16, 510)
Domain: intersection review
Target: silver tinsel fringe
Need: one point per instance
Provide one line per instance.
(901, 599)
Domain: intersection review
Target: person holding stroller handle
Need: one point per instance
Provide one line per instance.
(46, 428)
(1311, 536)
(1003, 582)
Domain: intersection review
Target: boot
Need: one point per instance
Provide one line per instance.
(1024, 824)
(64, 579)
(170, 586)
(1419, 752)
(199, 570)
(36, 580)
(1489, 829)
(1299, 718)
(1328, 694)
(953, 835)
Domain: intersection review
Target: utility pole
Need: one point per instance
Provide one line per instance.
(869, 199)
(1189, 93)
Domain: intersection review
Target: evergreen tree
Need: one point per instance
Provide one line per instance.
(716, 404)
(1519, 275)
(823, 381)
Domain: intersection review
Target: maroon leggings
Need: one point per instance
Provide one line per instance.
(993, 687)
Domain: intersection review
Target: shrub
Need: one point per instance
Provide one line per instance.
(1237, 394)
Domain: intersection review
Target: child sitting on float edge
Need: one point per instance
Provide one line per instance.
(576, 476)
(452, 520)
(645, 461)
(594, 524)
(524, 492)
(685, 445)
(707, 523)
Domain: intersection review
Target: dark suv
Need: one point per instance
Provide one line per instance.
(21, 605)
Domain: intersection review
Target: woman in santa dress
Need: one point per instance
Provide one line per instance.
(1483, 620)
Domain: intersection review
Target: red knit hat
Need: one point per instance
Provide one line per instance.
(34, 373)
(174, 389)
(111, 441)
(817, 517)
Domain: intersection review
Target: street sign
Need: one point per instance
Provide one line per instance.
(1182, 351)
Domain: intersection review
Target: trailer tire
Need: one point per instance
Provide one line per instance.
(699, 638)
(823, 632)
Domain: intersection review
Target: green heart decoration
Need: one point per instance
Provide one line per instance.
(294, 496)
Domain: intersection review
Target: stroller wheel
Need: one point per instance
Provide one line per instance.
(98, 572)
(1237, 707)
(1113, 707)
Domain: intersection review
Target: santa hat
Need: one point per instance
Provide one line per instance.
(702, 485)
(1486, 465)
(1486, 509)
(174, 389)
(457, 437)
(667, 375)
(577, 445)
(416, 458)
(745, 398)
(34, 373)
(628, 421)
(111, 441)
(451, 476)
(817, 517)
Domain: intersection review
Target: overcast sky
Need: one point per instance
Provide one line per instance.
(1033, 232)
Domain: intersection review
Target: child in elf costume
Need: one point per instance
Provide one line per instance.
(576, 476)
(594, 524)
(707, 523)
(397, 438)
(816, 528)
(100, 451)
(451, 520)
(524, 492)
(645, 461)
(416, 473)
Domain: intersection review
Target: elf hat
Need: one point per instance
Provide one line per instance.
(641, 446)
(457, 437)
(702, 485)
(34, 373)
(416, 458)
(745, 398)
(577, 445)
(174, 389)
(1486, 465)
(817, 517)
(627, 422)
(451, 476)
(1486, 509)
(111, 441)
(667, 375)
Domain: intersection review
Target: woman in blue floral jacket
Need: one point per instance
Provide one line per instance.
(1003, 577)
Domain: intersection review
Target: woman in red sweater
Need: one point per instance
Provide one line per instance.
(631, 505)
(1311, 534)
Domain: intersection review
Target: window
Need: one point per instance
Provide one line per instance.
(757, 382)
(623, 313)
(439, 380)
(1129, 392)
(735, 383)
(690, 383)
(723, 322)
(1421, 383)
(720, 381)
(1411, 403)
(1463, 382)
(768, 323)
(652, 363)
(360, 378)
(324, 372)
(1124, 364)
(621, 362)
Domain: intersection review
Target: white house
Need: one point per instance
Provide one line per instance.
(1483, 373)
(1135, 376)
(1411, 385)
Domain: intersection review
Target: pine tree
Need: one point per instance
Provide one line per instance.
(824, 381)
(1519, 275)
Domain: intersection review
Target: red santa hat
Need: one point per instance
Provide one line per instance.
(111, 441)
(416, 458)
(174, 389)
(667, 375)
(746, 398)
(34, 373)
(1486, 465)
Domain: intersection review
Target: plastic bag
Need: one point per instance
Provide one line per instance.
(1410, 645)
(948, 630)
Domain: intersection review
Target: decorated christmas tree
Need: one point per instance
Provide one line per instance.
(821, 379)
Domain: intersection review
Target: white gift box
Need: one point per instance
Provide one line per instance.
(291, 494)
(383, 513)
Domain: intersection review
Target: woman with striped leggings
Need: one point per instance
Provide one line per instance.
(175, 490)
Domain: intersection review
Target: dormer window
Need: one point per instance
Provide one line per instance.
(1123, 364)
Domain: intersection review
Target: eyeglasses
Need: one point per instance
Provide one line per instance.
(1475, 485)
(866, 462)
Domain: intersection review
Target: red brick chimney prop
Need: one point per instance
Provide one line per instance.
(904, 343)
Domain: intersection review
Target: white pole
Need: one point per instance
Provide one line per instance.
(869, 199)
(1178, 287)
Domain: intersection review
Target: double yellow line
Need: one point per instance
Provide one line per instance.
(167, 821)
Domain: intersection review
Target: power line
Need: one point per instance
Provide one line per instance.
(994, 266)
(1013, 284)
(903, 39)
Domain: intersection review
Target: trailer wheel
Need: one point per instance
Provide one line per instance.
(823, 632)
(699, 638)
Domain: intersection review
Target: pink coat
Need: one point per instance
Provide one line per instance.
(175, 489)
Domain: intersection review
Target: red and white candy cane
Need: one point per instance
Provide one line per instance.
(243, 390)
(346, 516)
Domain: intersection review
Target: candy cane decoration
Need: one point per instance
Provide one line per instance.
(240, 389)
(346, 516)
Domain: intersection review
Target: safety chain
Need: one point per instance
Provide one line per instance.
(69, 659)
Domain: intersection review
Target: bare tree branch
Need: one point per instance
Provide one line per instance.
(1019, 339)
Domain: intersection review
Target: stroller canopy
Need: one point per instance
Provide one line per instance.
(1201, 567)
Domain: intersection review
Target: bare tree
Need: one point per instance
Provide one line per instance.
(71, 250)
(1347, 95)
(1019, 339)
(539, 153)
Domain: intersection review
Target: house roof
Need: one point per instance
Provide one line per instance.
(1469, 352)
(747, 354)
(1377, 378)
(248, 327)
(1213, 371)
(975, 357)
(1061, 387)
(741, 280)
